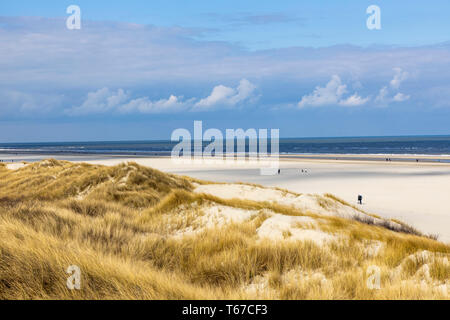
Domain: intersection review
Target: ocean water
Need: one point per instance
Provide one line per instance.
(419, 145)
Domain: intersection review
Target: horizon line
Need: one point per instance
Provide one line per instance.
(281, 138)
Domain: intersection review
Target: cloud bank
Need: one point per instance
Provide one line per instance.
(105, 100)
(334, 93)
(45, 68)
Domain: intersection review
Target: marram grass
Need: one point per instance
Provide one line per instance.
(117, 224)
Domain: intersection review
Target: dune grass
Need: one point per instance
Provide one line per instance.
(118, 224)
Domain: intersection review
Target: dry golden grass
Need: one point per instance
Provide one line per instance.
(123, 226)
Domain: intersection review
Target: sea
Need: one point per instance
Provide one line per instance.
(390, 146)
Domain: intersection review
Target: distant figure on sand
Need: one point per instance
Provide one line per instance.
(279, 171)
(360, 199)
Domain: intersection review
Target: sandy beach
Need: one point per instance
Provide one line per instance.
(416, 193)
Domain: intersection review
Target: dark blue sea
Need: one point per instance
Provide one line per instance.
(417, 145)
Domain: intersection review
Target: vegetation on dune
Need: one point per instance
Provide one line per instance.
(128, 184)
(126, 228)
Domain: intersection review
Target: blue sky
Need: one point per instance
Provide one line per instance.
(140, 69)
(262, 24)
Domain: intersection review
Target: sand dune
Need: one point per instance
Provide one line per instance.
(416, 193)
(138, 233)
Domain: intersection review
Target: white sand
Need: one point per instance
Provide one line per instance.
(15, 166)
(216, 215)
(281, 227)
(276, 227)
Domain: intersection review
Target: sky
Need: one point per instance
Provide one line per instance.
(137, 70)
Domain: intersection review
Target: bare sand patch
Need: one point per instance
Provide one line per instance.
(15, 165)
(280, 227)
(211, 216)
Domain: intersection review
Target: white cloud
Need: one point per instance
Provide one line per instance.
(145, 105)
(219, 95)
(354, 101)
(104, 100)
(399, 97)
(399, 77)
(101, 101)
(332, 94)
(245, 91)
(226, 96)
(382, 95)
(390, 94)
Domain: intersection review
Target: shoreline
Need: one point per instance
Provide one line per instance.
(403, 158)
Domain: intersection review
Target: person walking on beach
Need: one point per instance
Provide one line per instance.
(360, 199)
